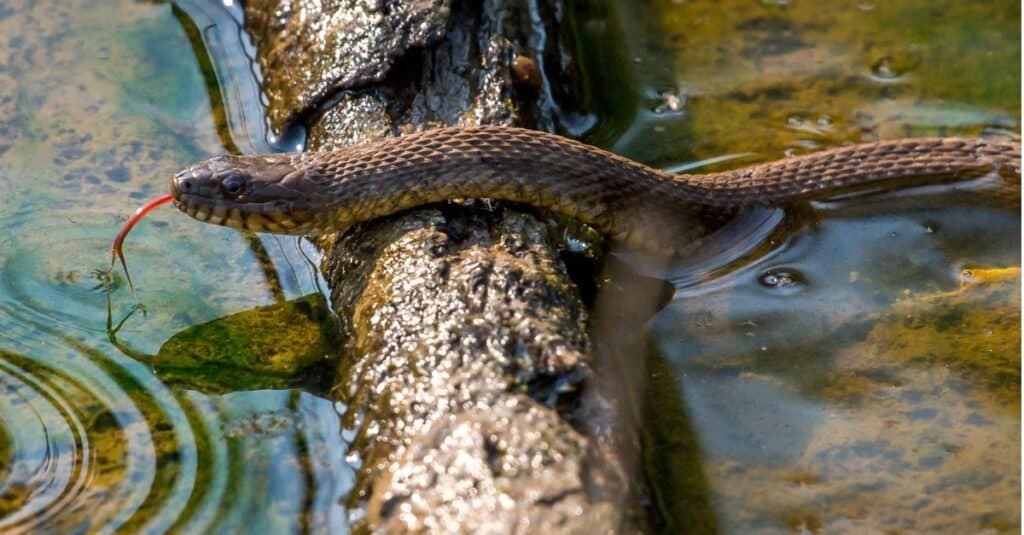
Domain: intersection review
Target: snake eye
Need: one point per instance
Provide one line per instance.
(233, 185)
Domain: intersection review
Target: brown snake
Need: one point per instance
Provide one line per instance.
(644, 208)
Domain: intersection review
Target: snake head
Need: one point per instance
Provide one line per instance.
(254, 192)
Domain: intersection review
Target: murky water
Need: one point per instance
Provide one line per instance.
(840, 373)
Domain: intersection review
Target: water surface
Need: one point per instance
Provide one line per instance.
(842, 372)
(98, 106)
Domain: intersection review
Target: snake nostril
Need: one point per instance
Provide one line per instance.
(186, 185)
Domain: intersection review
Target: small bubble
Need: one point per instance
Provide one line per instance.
(783, 280)
(883, 69)
(671, 101)
(894, 66)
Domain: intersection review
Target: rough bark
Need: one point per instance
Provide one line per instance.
(467, 344)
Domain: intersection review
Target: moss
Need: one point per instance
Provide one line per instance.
(265, 347)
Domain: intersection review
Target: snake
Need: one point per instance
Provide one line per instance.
(643, 208)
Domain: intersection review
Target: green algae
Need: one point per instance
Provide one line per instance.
(698, 79)
(874, 395)
(976, 330)
(269, 347)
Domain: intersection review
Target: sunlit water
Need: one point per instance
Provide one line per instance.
(98, 106)
(785, 398)
(829, 372)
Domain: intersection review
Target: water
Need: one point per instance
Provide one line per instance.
(825, 372)
(832, 372)
(99, 107)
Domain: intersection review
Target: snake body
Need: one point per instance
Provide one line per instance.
(644, 208)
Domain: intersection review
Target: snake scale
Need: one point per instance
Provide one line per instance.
(641, 207)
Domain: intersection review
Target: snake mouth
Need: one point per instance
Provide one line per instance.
(271, 216)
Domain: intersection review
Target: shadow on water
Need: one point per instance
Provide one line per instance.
(824, 370)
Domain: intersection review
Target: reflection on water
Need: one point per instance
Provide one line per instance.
(873, 389)
(831, 371)
(98, 107)
(227, 57)
(834, 372)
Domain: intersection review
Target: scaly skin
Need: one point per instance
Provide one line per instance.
(644, 208)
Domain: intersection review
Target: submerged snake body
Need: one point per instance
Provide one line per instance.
(647, 209)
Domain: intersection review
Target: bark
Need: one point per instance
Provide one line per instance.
(466, 361)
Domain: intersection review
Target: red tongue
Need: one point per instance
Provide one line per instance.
(116, 251)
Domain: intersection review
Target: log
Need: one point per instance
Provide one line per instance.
(466, 362)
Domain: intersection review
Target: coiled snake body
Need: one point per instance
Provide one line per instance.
(644, 208)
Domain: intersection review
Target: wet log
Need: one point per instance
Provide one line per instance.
(465, 368)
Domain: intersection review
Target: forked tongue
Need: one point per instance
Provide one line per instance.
(117, 251)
